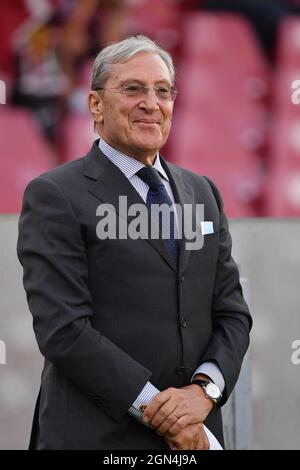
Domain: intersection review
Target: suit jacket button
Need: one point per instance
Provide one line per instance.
(183, 322)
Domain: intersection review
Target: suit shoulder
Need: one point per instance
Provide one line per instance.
(64, 173)
(62, 176)
(193, 178)
(197, 181)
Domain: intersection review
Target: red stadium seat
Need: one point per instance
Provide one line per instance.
(283, 185)
(158, 19)
(78, 135)
(283, 188)
(283, 91)
(211, 37)
(24, 155)
(220, 123)
(219, 150)
(198, 83)
(220, 131)
(283, 194)
(12, 13)
(289, 41)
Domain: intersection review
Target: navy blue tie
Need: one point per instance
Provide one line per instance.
(157, 194)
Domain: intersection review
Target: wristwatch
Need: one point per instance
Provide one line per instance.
(211, 390)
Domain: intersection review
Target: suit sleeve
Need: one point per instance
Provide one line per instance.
(231, 318)
(53, 254)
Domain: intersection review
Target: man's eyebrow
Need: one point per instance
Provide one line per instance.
(141, 82)
(132, 80)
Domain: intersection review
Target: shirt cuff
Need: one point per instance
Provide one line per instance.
(213, 371)
(146, 395)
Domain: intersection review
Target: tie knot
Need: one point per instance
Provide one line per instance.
(150, 176)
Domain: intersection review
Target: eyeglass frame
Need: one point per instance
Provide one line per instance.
(173, 91)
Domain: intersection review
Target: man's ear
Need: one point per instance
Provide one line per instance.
(95, 106)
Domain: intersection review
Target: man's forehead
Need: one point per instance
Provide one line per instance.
(142, 67)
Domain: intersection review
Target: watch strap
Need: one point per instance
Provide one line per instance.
(202, 384)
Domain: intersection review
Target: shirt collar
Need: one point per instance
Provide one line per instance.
(128, 165)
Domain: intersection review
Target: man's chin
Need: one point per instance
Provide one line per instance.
(149, 145)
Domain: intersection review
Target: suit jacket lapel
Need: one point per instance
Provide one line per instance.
(108, 183)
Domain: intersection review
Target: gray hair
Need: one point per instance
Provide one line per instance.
(122, 51)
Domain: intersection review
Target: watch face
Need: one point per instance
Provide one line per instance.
(213, 390)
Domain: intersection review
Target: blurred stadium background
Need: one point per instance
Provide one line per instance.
(234, 121)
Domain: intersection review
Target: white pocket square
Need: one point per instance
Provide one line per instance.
(207, 228)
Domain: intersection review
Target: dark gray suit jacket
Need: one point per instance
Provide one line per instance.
(109, 315)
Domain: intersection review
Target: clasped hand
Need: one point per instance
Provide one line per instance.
(177, 414)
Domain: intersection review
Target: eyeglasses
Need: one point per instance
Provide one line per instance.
(163, 93)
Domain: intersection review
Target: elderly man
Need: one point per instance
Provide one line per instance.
(143, 338)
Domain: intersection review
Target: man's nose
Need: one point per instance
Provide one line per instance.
(150, 101)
